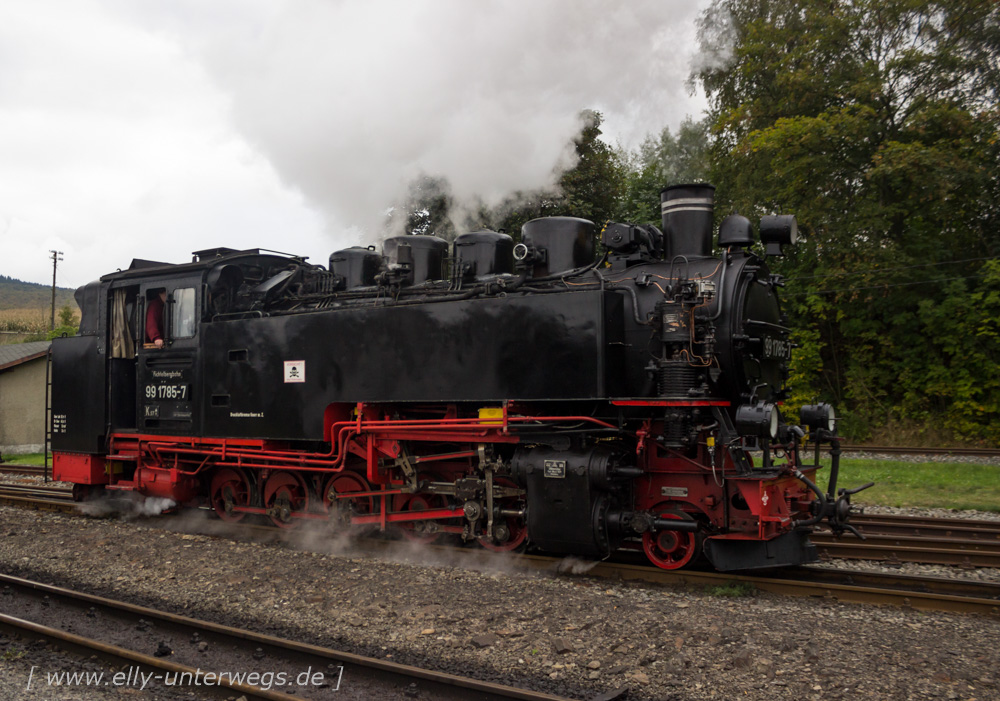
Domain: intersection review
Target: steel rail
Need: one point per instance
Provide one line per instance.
(86, 645)
(927, 526)
(925, 540)
(916, 596)
(852, 586)
(907, 591)
(434, 682)
(29, 490)
(54, 505)
(903, 450)
(915, 549)
(58, 499)
(10, 468)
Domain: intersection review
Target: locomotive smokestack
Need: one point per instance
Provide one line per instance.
(688, 211)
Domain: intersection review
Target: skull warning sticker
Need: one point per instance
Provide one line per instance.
(295, 371)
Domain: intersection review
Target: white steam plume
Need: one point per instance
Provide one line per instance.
(125, 504)
(352, 100)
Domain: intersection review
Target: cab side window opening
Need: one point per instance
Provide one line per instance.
(183, 313)
(156, 332)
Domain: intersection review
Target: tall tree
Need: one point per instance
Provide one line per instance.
(427, 208)
(661, 161)
(591, 189)
(876, 123)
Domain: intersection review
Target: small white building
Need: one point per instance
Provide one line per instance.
(22, 397)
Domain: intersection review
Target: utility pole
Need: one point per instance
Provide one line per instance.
(56, 257)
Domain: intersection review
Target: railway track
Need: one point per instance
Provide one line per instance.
(891, 538)
(923, 540)
(42, 492)
(928, 526)
(910, 591)
(13, 469)
(172, 647)
(898, 450)
(59, 499)
(917, 550)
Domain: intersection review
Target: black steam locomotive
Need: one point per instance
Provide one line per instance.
(506, 394)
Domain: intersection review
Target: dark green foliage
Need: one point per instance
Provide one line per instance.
(60, 331)
(427, 208)
(732, 590)
(956, 378)
(603, 185)
(590, 189)
(665, 160)
(68, 324)
(876, 124)
(67, 316)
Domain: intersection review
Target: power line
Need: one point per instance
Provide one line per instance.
(891, 270)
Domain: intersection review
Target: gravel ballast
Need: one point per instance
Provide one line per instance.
(563, 633)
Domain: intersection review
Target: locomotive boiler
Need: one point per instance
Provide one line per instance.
(503, 394)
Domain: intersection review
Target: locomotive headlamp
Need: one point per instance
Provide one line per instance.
(759, 419)
(818, 416)
(777, 231)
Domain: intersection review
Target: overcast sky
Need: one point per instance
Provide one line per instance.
(133, 129)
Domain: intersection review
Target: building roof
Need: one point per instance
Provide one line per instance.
(21, 353)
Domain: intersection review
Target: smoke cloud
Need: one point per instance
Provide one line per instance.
(128, 505)
(351, 101)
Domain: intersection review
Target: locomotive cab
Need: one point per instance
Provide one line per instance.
(111, 380)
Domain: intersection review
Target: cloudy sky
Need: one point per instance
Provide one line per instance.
(150, 129)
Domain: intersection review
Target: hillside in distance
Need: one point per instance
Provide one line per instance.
(15, 294)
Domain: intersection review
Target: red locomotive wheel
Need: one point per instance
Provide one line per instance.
(517, 535)
(671, 550)
(230, 487)
(420, 531)
(285, 493)
(346, 483)
(510, 531)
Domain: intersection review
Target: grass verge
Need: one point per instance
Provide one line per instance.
(732, 590)
(937, 485)
(25, 459)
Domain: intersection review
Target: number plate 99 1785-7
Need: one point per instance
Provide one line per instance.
(177, 393)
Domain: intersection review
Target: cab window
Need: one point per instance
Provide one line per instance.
(184, 313)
